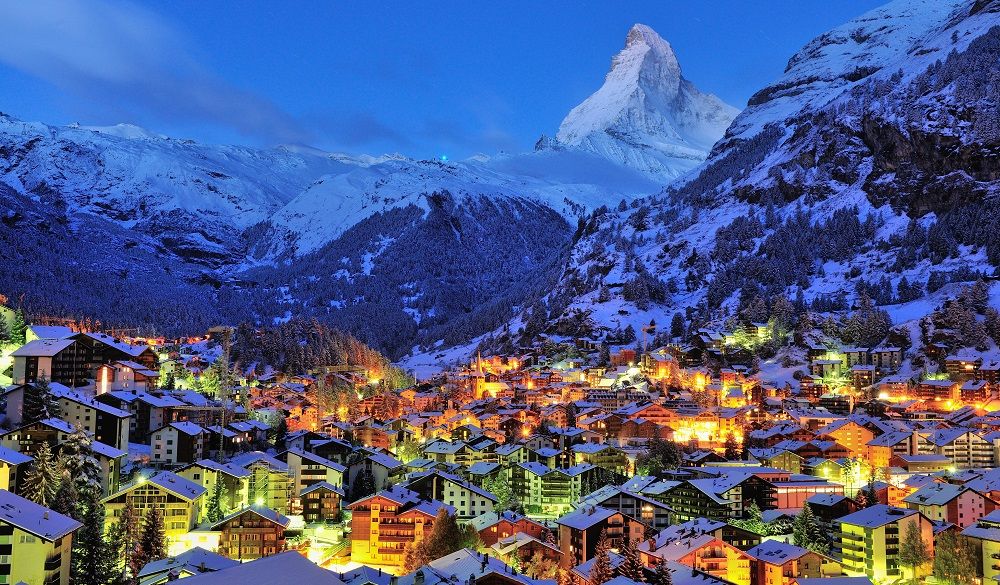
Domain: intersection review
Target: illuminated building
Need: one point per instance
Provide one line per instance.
(37, 541)
(179, 501)
(779, 563)
(869, 541)
(383, 525)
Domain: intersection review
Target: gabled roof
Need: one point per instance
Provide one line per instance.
(227, 468)
(935, 494)
(253, 457)
(324, 485)
(33, 518)
(42, 347)
(878, 515)
(262, 511)
(776, 552)
(12, 457)
(285, 568)
(585, 517)
(170, 482)
(314, 458)
(194, 561)
(453, 479)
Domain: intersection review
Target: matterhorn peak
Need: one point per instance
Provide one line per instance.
(646, 115)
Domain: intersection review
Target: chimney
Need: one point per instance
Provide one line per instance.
(418, 577)
(380, 571)
(46, 515)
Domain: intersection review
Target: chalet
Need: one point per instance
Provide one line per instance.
(580, 530)
(653, 513)
(937, 390)
(493, 527)
(881, 449)
(179, 500)
(106, 423)
(985, 533)
(383, 525)
(965, 447)
(126, 375)
(777, 563)
(886, 358)
(869, 541)
(701, 552)
(269, 483)
(468, 500)
(110, 460)
(252, 533)
(149, 412)
(321, 502)
(603, 456)
(383, 468)
(520, 549)
(27, 438)
(307, 469)
(963, 368)
(177, 443)
(187, 564)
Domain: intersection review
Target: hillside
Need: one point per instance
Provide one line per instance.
(869, 167)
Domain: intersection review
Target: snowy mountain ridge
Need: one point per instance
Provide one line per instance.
(646, 115)
(871, 167)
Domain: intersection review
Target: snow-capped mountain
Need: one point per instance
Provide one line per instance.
(871, 166)
(195, 199)
(647, 116)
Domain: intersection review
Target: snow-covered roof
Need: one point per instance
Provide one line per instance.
(875, 516)
(285, 568)
(42, 348)
(195, 560)
(262, 511)
(12, 457)
(33, 518)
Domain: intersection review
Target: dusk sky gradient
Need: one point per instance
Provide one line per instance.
(417, 78)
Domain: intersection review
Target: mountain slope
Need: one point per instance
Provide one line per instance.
(647, 116)
(872, 166)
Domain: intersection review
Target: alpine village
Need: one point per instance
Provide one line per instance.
(678, 343)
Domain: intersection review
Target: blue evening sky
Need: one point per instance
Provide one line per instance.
(419, 78)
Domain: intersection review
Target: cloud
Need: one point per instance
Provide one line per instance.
(125, 55)
(361, 129)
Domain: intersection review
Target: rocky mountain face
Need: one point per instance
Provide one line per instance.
(869, 167)
(647, 116)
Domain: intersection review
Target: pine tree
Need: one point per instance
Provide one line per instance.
(954, 559)
(913, 551)
(18, 329)
(39, 402)
(631, 565)
(445, 537)
(565, 577)
(364, 484)
(215, 513)
(601, 572)
(81, 465)
(807, 533)
(732, 447)
(661, 574)
(66, 500)
(42, 480)
(152, 543)
(280, 433)
(123, 543)
(91, 561)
